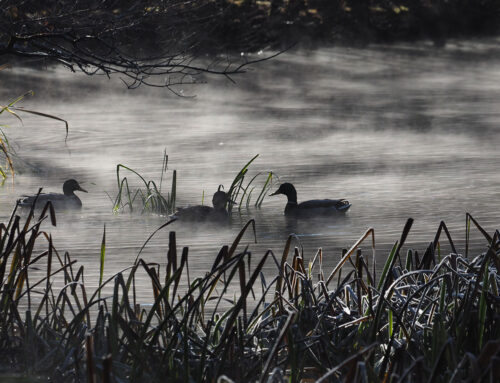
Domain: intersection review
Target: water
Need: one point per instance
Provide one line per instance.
(400, 131)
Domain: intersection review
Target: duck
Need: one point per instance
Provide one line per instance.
(67, 200)
(203, 213)
(316, 207)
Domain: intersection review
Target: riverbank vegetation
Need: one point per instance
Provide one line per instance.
(6, 149)
(424, 317)
(317, 22)
(167, 43)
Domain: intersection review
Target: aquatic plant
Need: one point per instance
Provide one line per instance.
(12, 109)
(429, 317)
(150, 196)
(238, 186)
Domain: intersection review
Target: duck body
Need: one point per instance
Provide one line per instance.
(318, 207)
(202, 213)
(311, 208)
(67, 200)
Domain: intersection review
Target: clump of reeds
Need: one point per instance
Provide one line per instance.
(238, 186)
(426, 317)
(150, 195)
(151, 199)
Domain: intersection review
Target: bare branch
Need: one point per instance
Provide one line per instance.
(160, 43)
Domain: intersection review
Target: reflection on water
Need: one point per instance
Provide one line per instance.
(398, 131)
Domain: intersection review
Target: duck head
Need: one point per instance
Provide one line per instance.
(287, 189)
(70, 186)
(220, 199)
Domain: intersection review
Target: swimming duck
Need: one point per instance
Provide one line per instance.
(314, 207)
(206, 213)
(68, 200)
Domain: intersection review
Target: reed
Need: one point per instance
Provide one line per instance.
(149, 197)
(425, 318)
(238, 186)
(11, 108)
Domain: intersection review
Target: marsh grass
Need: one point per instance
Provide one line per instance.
(239, 187)
(11, 108)
(426, 317)
(149, 197)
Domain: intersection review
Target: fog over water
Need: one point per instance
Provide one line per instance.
(400, 131)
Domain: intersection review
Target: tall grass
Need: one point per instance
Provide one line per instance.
(423, 319)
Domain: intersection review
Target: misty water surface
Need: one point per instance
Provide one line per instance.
(399, 131)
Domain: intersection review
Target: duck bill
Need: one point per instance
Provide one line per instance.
(82, 189)
(275, 193)
(231, 202)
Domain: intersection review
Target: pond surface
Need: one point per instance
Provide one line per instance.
(400, 131)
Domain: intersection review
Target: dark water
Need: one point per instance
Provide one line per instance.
(400, 131)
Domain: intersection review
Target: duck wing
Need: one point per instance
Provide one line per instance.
(338, 204)
(27, 200)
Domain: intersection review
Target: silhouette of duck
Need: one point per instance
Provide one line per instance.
(315, 207)
(68, 200)
(206, 213)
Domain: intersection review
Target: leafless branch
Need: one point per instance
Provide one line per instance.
(160, 43)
